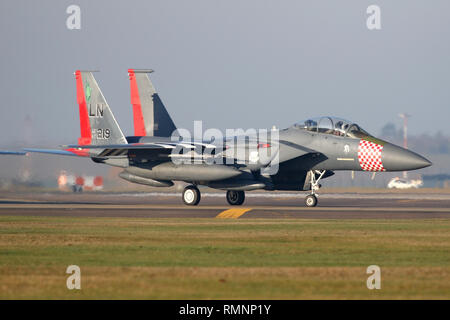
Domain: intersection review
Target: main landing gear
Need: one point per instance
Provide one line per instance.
(191, 196)
(311, 199)
(235, 198)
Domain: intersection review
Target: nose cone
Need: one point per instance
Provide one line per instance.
(395, 158)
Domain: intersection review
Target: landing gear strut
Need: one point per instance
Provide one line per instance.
(235, 198)
(191, 195)
(311, 199)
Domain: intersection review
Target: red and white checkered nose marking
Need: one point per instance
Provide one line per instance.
(369, 156)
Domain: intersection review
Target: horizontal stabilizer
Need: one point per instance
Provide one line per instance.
(15, 153)
(66, 152)
(141, 70)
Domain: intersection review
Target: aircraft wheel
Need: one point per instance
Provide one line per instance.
(235, 198)
(191, 195)
(311, 200)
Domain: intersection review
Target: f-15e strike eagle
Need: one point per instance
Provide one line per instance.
(302, 154)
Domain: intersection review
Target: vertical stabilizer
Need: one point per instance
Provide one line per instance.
(97, 123)
(149, 114)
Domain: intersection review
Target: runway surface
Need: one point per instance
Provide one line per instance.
(214, 205)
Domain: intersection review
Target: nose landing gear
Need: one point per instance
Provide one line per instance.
(311, 199)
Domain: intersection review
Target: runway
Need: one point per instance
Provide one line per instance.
(214, 205)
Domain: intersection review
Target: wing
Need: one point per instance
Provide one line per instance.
(152, 145)
(151, 150)
(164, 149)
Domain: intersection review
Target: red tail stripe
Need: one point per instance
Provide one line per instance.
(138, 117)
(85, 126)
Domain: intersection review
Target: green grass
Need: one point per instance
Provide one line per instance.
(209, 258)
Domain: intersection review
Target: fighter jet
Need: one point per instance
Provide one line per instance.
(295, 158)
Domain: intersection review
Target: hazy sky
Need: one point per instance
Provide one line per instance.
(229, 63)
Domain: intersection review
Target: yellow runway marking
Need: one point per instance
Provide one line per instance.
(232, 213)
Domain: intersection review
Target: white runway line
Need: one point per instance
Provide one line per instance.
(410, 196)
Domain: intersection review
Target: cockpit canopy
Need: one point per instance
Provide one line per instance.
(334, 126)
